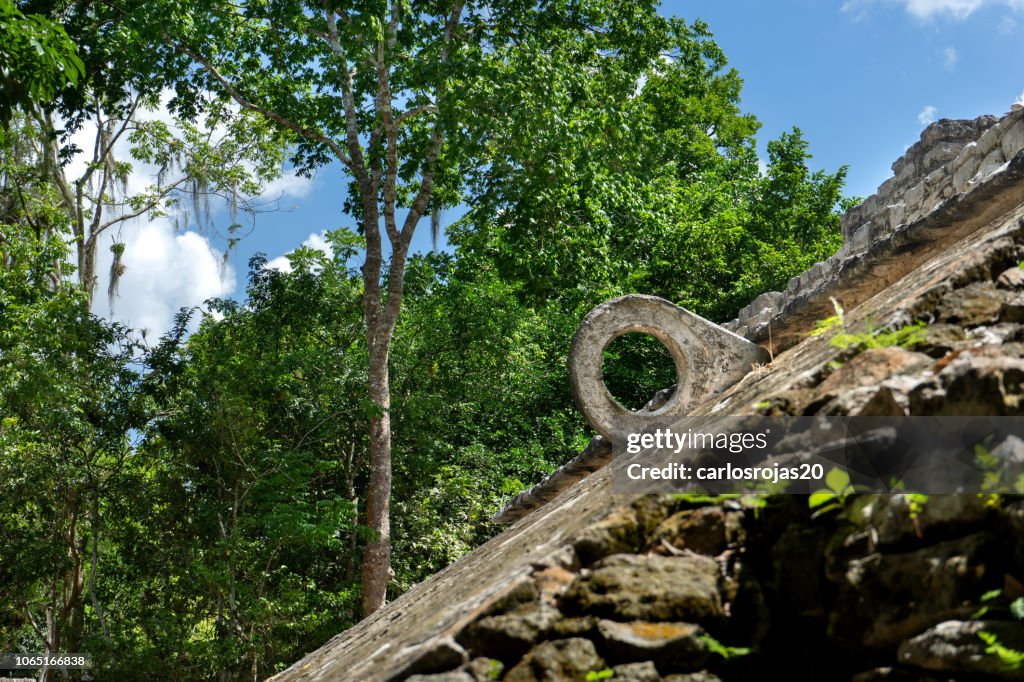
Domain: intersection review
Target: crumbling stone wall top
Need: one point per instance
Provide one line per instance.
(954, 180)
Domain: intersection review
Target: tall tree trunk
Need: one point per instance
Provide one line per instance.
(376, 573)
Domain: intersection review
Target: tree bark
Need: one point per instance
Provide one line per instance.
(376, 569)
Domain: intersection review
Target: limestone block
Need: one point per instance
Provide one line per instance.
(990, 139)
(651, 588)
(940, 155)
(913, 196)
(850, 221)
(965, 166)
(861, 238)
(870, 205)
(894, 215)
(885, 190)
(937, 177)
(885, 599)
(992, 163)
(1013, 140)
(671, 646)
(563, 659)
(906, 174)
(957, 646)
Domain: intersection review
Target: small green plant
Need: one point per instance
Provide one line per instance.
(716, 647)
(756, 500)
(985, 599)
(904, 337)
(916, 502)
(495, 668)
(993, 476)
(834, 495)
(596, 675)
(1009, 659)
(1017, 608)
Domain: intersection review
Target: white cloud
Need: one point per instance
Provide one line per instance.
(958, 10)
(288, 185)
(164, 271)
(950, 57)
(1020, 100)
(317, 241)
(927, 115)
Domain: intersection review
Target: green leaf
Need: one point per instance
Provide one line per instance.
(820, 497)
(837, 479)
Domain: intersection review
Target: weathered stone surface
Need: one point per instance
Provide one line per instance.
(1012, 310)
(655, 588)
(973, 383)
(994, 335)
(636, 672)
(552, 581)
(892, 520)
(582, 626)
(1013, 140)
(940, 338)
(705, 530)
(699, 676)
(973, 305)
(886, 598)
(457, 676)
(672, 647)
(878, 234)
(867, 401)
(522, 591)
(485, 669)
(557, 661)
(433, 656)
(708, 359)
(620, 532)
(957, 646)
(1011, 278)
(625, 529)
(872, 366)
(1010, 450)
(967, 238)
(508, 636)
(792, 402)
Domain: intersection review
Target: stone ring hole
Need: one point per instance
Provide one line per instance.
(636, 366)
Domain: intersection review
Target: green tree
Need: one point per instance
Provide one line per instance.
(647, 182)
(37, 59)
(67, 408)
(254, 509)
(409, 97)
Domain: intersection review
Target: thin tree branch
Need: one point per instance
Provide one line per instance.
(415, 111)
(246, 103)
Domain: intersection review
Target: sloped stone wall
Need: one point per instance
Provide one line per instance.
(884, 587)
(679, 589)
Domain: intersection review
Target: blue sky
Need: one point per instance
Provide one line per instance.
(861, 78)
